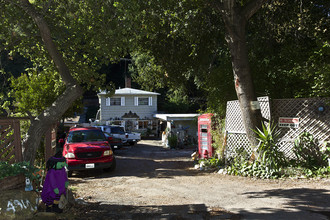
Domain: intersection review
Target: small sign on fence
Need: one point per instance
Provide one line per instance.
(285, 122)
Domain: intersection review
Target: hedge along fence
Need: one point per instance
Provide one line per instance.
(313, 115)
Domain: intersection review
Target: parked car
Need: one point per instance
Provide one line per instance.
(119, 132)
(115, 143)
(87, 148)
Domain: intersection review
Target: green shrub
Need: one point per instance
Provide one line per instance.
(173, 141)
(218, 137)
(31, 172)
(269, 160)
(211, 163)
(308, 152)
(268, 149)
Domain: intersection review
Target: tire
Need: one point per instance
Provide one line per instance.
(112, 167)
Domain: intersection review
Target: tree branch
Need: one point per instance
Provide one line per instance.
(31, 117)
(48, 42)
(252, 7)
(218, 5)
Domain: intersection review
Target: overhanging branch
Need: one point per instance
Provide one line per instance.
(46, 37)
(252, 7)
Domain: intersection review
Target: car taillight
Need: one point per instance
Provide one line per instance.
(107, 153)
(70, 155)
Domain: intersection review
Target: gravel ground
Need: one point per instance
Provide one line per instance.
(152, 182)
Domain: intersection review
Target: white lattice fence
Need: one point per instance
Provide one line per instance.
(307, 110)
(311, 119)
(236, 136)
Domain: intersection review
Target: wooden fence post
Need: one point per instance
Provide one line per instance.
(17, 141)
(50, 142)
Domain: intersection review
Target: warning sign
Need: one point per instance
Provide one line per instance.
(285, 122)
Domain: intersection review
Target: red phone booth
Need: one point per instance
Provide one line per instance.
(205, 149)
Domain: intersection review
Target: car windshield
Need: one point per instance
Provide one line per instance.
(117, 130)
(85, 136)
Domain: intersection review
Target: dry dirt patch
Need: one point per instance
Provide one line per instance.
(153, 182)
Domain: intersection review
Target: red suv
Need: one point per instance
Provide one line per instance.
(87, 148)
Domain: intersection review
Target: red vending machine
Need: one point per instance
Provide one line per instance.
(205, 149)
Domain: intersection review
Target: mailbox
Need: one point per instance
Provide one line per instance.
(205, 149)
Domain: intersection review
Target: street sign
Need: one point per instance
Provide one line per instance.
(286, 122)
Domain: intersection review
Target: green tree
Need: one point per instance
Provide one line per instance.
(66, 43)
(10, 66)
(179, 20)
(281, 49)
(288, 48)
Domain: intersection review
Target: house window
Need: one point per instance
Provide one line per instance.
(143, 124)
(115, 101)
(142, 101)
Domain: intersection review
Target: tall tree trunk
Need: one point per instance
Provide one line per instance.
(235, 18)
(73, 91)
(46, 119)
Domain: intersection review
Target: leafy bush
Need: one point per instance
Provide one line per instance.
(173, 140)
(218, 137)
(268, 149)
(211, 163)
(308, 152)
(31, 172)
(266, 162)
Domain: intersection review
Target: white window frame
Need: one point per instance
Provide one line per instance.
(108, 101)
(136, 101)
(122, 101)
(150, 101)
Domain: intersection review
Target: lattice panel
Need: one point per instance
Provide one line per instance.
(286, 148)
(7, 148)
(234, 121)
(310, 119)
(236, 141)
(265, 107)
(236, 137)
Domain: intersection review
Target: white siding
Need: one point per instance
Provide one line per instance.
(129, 103)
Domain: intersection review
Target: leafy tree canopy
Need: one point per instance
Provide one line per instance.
(287, 41)
(69, 38)
(89, 34)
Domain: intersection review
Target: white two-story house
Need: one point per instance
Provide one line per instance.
(131, 108)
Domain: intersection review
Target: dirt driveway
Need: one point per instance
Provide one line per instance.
(152, 182)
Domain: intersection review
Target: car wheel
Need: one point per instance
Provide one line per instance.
(112, 167)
